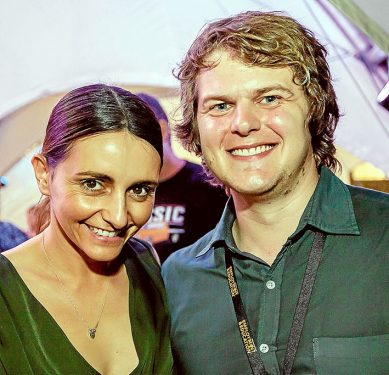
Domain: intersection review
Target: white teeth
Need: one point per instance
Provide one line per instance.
(251, 151)
(101, 232)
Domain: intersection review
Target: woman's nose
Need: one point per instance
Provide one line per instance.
(115, 211)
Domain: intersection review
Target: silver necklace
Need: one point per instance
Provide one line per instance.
(91, 330)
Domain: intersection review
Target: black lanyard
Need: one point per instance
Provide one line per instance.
(256, 363)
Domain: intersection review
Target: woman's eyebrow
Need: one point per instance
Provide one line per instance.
(96, 175)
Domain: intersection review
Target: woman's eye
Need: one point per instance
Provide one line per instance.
(91, 185)
(142, 190)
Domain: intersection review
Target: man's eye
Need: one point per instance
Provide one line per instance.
(269, 99)
(91, 185)
(220, 106)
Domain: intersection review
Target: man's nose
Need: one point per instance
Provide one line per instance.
(246, 119)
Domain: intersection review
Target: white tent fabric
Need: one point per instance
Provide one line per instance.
(51, 46)
(369, 16)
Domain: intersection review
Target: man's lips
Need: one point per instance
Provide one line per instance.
(251, 151)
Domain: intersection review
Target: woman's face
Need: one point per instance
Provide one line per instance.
(103, 193)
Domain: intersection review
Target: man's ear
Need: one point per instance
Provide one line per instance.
(42, 174)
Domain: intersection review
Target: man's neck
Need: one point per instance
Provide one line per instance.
(262, 227)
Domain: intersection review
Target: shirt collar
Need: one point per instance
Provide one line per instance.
(330, 209)
(223, 229)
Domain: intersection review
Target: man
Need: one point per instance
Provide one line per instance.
(294, 278)
(186, 205)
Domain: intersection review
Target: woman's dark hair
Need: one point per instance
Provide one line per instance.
(93, 110)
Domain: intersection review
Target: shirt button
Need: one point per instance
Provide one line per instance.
(264, 348)
(270, 284)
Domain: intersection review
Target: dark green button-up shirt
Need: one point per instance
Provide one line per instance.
(346, 330)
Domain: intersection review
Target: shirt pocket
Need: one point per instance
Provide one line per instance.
(355, 355)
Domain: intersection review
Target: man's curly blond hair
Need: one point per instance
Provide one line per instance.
(270, 40)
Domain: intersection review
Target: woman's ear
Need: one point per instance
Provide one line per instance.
(42, 175)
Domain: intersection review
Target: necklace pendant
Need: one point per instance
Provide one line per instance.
(92, 332)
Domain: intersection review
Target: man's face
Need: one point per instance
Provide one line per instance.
(253, 128)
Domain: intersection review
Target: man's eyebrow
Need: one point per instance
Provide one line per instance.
(266, 89)
(216, 97)
(256, 92)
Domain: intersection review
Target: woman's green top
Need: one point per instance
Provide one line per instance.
(32, 343)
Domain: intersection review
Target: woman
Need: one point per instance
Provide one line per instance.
(84, 296)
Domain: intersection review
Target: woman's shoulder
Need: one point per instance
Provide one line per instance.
(24, 262)
(23, 255)
(16, 265)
